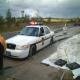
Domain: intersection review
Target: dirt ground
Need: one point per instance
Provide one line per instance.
(32, 69)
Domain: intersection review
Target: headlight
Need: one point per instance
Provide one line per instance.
(22, 47)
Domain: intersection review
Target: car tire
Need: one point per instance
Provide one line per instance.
(32, 50)
(51, 41)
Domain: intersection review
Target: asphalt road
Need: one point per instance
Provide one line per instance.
(32, 69)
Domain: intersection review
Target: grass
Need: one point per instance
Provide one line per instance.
(18, 26)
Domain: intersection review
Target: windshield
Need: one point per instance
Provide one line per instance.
(30, 31)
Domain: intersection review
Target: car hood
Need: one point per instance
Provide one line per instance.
(21, 40)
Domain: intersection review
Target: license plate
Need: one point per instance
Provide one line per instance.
(8, 53)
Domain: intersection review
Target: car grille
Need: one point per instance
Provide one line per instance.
(11, 46)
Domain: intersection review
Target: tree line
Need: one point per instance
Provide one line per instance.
(11, 22)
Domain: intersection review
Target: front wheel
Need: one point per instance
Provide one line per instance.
(32, 50)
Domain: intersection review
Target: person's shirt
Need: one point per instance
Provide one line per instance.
(2, 41)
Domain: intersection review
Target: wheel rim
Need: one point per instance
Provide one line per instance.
(51, 41)
(32, 51)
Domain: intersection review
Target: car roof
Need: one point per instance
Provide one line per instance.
(38, 26)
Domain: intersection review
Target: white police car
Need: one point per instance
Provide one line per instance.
(30, 39)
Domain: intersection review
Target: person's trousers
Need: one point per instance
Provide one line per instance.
(1, 56)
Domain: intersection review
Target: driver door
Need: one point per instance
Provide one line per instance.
(41, 38)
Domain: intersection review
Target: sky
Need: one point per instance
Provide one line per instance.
(44, 8)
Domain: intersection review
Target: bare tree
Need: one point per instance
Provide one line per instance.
(8, 17)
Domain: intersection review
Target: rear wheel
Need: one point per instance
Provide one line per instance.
(51, 41)
(32, 50)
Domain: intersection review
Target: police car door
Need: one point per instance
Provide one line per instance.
(41, 39)
(47, 36)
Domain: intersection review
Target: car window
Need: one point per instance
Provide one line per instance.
(30, 31)
(41, 31)
(46, 30)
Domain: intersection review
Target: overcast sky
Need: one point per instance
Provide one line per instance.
(46, 8)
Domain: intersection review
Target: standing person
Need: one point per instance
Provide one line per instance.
(65, 29)
(2, 50)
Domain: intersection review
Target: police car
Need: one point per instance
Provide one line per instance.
(30, 39)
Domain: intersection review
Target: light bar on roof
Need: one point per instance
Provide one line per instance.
(33, 23)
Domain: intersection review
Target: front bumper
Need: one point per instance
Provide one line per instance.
(17, 53)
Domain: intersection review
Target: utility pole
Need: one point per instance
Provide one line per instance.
(22, 13)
